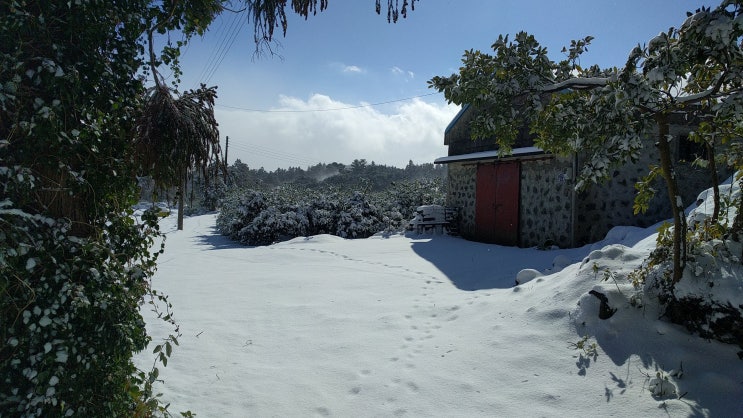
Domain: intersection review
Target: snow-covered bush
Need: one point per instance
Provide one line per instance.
(708, 300)
(359, 218)
(260, 218)
(273, 224)
(263, 229)
(322, 215)
(406, 197)
(238, 211)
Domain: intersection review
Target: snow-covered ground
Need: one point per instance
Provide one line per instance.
(425, 326)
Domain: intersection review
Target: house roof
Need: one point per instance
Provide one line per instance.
(456, 118)
(491, 155)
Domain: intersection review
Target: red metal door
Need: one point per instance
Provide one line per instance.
(485, 203)
(497, 203)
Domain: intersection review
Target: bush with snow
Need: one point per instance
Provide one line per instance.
(261, 218)
(359, 218)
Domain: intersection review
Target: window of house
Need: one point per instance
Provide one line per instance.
(690, 150)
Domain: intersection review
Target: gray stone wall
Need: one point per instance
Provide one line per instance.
(461, 195)
(603, 206)
(609, 204)
(546, 202)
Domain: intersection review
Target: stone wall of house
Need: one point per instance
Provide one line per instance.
(603, 206)
(544, 207)
(546, 202)
(461, 195)
(609, 204)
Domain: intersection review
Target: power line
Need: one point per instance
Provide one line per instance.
(272, 154)
(213, 54)
(227, 38)
(243, 21)
(325, 110)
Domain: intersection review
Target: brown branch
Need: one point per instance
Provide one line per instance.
(153, 67)
(710, 93)
(577, 83)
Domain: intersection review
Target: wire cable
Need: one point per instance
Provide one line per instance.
(324, 110)
(240, 26)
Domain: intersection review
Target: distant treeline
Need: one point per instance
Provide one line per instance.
(360, 174)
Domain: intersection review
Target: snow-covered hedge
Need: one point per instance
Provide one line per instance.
(261, 218)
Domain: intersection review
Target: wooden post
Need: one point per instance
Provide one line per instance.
(226, 149)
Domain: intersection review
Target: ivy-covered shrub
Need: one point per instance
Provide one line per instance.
(74, 262)
(69, 312)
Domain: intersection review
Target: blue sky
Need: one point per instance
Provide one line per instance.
(276, 111)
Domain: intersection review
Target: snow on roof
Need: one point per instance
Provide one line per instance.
(488, 155)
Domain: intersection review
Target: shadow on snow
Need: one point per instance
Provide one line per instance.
(473, 265)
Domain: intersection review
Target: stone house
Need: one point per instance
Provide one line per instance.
(528, 199)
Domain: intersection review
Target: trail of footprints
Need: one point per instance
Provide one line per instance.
(424, 319)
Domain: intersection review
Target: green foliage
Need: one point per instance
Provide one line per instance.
(645, 190)
(74, 262)
(269, 15)
(606, 275)
(586, 347)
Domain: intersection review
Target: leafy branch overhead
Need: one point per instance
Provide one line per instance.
(269, 15)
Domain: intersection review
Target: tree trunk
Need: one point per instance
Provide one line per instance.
(190, 195)
(677, 205)
(737, 228)
(181, 192)
(715, 181)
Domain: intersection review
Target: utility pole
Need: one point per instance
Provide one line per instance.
(226, 149)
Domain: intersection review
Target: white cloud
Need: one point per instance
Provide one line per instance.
(304, 132)
(397, 71)
(352, 69)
